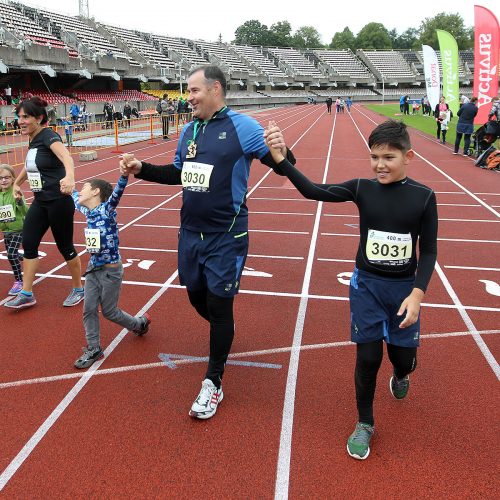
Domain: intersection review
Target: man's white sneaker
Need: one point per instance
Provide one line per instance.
(205, 405)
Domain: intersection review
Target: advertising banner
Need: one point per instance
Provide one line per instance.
(449, 64)
(486, 48)
(431, 74)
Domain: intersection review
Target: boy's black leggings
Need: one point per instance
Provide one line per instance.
(218, 311)
(368, 361)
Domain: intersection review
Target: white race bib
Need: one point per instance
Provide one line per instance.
(388, 248)
(93, 240)
(196, 176)
(35, 181)
(7, 213)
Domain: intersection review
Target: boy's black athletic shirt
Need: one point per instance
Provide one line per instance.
(389, 211)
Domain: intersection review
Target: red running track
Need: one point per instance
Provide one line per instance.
(123, 430)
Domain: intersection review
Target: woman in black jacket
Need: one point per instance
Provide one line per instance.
(465, 125)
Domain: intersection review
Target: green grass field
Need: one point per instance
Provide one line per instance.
(423, 123)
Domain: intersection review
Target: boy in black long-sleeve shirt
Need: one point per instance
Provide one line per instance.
(388, 281)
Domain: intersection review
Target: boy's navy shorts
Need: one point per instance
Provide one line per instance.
(212, 260)
(374, 302)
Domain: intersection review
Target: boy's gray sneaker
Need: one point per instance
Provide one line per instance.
(144, 328)
(20, 301)
(89, 357)
(74, 298)
(358, 444)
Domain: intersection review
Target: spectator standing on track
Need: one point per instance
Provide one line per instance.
(74, 111)
(68, 130)
(441, 106)
(329, 102)
(348, 102)
(212, 162)
(388, 279)
(337, 105)
(97, 201)
(12, 214)
(84, 113)
(465, 125)
(164, 113)
(127, 113)
(402, 104)
(50, 172)
(108, 111)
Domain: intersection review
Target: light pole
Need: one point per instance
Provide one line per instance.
(180, 73)
(383, 88)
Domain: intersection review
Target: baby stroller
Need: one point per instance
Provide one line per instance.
(483, 140)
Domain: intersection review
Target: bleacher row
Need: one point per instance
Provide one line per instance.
(88, 39)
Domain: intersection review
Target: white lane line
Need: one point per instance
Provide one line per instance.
(166, 250)
(458, 205)
(160, 226)
(283, 199)
(469, 220)
(236, 355)
(285, 447)
(469, 324)
(25, 452)
(281, 213)
(474, 268)
(268, 293)
(336, 260)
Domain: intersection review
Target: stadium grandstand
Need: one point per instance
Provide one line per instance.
(62, 58)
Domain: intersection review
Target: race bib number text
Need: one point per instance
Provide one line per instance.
(388, 248)
(196, 176)
(35, 181)
(7, 213)
(93, 240)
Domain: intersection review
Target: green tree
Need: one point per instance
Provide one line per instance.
(307, 37)
(344, 39)
(452, 23)
(252, 32)
(280, 34)
(374, 36)
(407, 40)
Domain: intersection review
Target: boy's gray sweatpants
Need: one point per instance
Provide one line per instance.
(102, 287)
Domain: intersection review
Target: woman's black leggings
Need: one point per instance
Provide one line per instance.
(368, 361)
(218, 311)
(56, 214)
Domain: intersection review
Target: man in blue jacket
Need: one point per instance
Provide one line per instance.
(212, 162)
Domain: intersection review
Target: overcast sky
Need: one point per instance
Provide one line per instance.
(206, 20)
